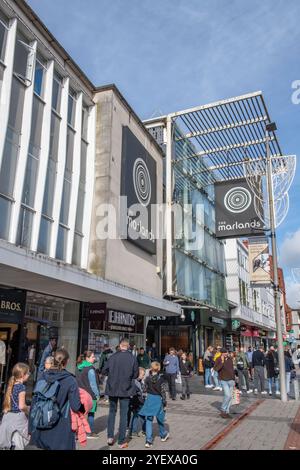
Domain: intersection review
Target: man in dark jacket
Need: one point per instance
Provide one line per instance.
(143, 359)
(121, 368)
(258, 364)
(48, 351)
(225, 369)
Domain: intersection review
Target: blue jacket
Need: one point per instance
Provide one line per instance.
(289, 366)
(173, 366)
(61, 436)
(46, 353)
(122, 368)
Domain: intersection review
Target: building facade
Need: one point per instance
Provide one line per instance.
(252, 308)
(61, 153)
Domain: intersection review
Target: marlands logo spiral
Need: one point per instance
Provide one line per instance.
(237, 200)
(142, 181)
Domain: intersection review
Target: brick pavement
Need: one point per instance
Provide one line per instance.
(192, 423)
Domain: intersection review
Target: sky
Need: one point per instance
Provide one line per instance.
(168, 55)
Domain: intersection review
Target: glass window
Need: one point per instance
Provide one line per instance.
(5, 208)
(44, 236)
(36, 126)
(8, 168)
(39, 77)
(83, 157)
(49, 188)
(30, 180)
(76, 258)
(56, 93)
(3, 35)
(16, 105)
(54, 136)
(24, 228)
(70, 149)
(84, 123)
(71, 108)
(80, 208)
(65, 203)
(23, 60)
(61, 247)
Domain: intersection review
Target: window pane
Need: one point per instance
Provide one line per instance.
(62, 239)
(8, 168)
(76, 258)
(54, 136)
(71, 110)
(80, 208)
(36, 126)
(16, 105)
(70, 149)
(21, 57)
(30, 181)
(5, 208)
(44, 236)
(56, 93)
(24, 228)
(49, 188)
(3, 35)
(65, 203)
(83, 156)
(39, 78)
(84, 123)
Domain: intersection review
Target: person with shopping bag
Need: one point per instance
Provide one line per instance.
(225, 369)
(186, 370)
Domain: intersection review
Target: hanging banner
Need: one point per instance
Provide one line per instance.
(235, 213)
(259, 262)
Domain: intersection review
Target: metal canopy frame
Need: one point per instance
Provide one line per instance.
(221, 134)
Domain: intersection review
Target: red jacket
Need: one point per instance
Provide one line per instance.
(79, 421)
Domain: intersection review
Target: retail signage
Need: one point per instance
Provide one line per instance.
(121, 318)
(255, 334)
(246, 331)
(217, 321)
(12, 305)
(138, 184)
(235, 212)
(235, 324)
(259, 262)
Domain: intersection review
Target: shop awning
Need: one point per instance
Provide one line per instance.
(28, 270)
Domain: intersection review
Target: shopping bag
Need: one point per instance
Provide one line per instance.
(178, 379)
(235, 396)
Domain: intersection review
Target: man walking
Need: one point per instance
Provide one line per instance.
(121, 368)
(49, 349)
(224, 366)
(171, 364)
(258, 364)
(242, 368)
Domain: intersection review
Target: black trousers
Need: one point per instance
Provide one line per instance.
(172, 386)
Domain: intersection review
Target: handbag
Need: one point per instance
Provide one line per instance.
(178, 379)
(236, 399)
(240, 364)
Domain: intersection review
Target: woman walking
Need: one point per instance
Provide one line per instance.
(186, 370)
(272, 370)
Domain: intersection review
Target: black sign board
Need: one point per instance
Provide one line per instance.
(138, 184)
(235, 213)
(12, 305)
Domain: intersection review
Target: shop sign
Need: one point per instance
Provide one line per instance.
(262, 333)
(121, 318)
(255, 333)
(259, 262)
(235, 324)
(12, 305)
(217, 321)
(246, 331)
(157, 318)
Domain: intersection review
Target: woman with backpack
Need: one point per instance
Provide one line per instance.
(14, 426)
(88, 380)
(62, 395)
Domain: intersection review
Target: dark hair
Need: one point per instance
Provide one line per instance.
(83, 356)
(60, 357)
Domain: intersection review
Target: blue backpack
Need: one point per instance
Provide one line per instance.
(45, 411)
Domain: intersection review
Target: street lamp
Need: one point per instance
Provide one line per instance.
(271, 127)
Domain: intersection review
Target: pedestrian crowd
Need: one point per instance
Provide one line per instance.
(63, 405)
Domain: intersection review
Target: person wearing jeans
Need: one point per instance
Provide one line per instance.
(272, 370)
(258, 364)
(171, 364)
(122, 368)
(289, 366)
(225, 369)
(208, 364)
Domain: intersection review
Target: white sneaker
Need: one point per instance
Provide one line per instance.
(277, 393)
(264, 393)
(255, 390)
(220, 389)
(250, 390)
(207, 386)
(216, 388)
(164, 439)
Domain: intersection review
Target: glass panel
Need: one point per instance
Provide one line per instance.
(3, 36)
(39, 76)
(49, 188)
(24, 228)
(21, 57)
(44, 236)
(5, 209)
(8, 168)
(56, 93)
(80, 208)
(65, 203)
(36, 126)
(84, 123)
(83, 157)
(76, 258)
(71, 110)
(61, 247)
(16, 105)
(30, 180)
(54, 136)
(70, 149)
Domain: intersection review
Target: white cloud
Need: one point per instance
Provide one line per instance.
(290, 251)
(293, 294)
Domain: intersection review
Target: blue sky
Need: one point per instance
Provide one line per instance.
(167, 55)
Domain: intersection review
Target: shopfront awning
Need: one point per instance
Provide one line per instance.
(28, 270)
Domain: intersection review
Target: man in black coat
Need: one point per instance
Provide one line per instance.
(258, 364)
(122, 368)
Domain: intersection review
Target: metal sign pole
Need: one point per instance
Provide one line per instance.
(275, 269)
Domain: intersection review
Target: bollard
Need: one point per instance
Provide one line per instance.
(296, 388)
